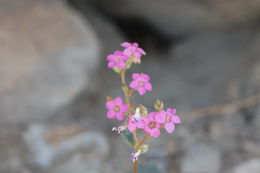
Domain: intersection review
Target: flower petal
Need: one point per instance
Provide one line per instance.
(111, 65)
(176, 119)
(131, 127)
(135, 76)
(160, 117)
(110, 105)
(155, 132)
(169, 127)
(111, 114)
(141, 91)
(145, 77)
(125, 44)
(124, 108)
(141, 51)
(140, 124)
(110, 57)
(171, 111)
(134, 84)
(118, 101)
(121, 65)
(148, 86)
(120, 116)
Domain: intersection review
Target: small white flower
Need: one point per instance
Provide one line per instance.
(114, 129)
(135, 156)
(137, 116)
(119, 129)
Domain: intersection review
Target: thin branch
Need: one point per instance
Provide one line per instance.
(221, 109)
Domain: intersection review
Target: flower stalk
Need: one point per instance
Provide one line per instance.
(137, 118)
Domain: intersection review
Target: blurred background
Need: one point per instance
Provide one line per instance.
(54, 79)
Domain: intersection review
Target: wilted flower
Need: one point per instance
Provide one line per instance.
(135, 156)
(119, 129)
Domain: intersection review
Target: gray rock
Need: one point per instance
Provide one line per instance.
(48, 54)
(201, 158)
(252, 166)
(65, 149)
(181, 17)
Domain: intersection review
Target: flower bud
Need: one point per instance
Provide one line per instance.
(124, 88)
(158, 105)
(143, 110)
(137, 116)
(108, 98)
(144, 148)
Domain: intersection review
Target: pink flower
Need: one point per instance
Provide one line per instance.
(141, 83)
(116, 109)
(134, 124)
(132, 49)
(117, 59)
(151, 125)
(171, 119)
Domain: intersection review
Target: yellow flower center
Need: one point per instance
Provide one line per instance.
(116, 108)
(152, 125)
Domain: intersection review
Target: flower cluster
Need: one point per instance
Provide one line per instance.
(120, 59)
(154, 121)
(137, 118)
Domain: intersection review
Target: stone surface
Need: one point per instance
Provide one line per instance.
(201, 158)
(252, 166)
(66, 148)
(186, 17)
(44, 64)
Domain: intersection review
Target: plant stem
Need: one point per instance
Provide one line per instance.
(135, 166)
(137, 144)
(142, 141)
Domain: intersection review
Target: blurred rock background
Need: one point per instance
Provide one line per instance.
(54, 80)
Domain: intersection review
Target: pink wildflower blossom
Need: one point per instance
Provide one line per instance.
(141, 83)
(133, 49)
(117, 59)
(171, 119)
(134, 124)
(151, 125)
(116, 108)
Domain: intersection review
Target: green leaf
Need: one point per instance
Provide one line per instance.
(128, 137)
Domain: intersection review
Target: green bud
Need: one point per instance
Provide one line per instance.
(117, 70)
(144, 148)
(158, 105)
(108, 98)
(143, 110)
